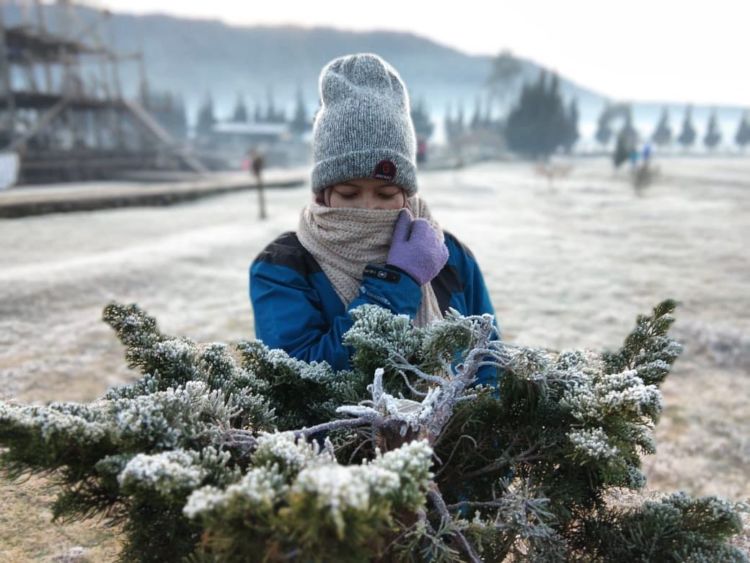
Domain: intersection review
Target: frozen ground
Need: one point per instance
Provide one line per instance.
(567, 266)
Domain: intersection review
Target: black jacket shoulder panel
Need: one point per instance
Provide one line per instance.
(447, 282)
(287, 251)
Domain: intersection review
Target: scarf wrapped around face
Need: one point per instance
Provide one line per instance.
(343, 241)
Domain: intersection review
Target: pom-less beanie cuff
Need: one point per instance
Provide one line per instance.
(364, 164)
(363, 128)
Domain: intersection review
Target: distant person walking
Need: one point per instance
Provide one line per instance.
(647, 154)
(256, 164)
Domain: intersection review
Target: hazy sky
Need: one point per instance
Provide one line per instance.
(684, 51)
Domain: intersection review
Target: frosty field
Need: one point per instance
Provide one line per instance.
(558, 260)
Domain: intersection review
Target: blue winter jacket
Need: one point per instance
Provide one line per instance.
(297, 309)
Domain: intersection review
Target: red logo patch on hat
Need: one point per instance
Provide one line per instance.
(384, 170)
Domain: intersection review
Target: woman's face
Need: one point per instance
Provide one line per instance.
(365, 193)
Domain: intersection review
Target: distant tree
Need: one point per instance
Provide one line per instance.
(420, 116)
(180, 122)
(300, 123)
(502, 81)
(487, 117)
(172, 116)
(662, 135)
(622, 150)
(687, 135)
(459, 124)
(476, 119)
(627, 140)
(559, 117)
(537, 125)
(272, 114)
(571, 127)
(240, 111)
(629, 130)
(742, 137)
(713, 135)
(258, 117)
(448, 124)
(603, 129)
(206, 118)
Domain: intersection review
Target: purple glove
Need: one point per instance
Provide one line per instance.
(416, 248)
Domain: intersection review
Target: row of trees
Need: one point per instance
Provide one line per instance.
(168, 109)
(300, 120)
(541, 122)
(664, 135)
(459, 124)
(271, 113)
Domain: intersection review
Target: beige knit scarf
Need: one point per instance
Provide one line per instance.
(343, 241)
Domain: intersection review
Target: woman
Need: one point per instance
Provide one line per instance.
(366, 237)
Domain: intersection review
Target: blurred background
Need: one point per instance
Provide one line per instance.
(147, 81)
(593, 155)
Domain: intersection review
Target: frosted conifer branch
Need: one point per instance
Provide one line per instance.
(434, 495)
(401, 364)
(195, 425)
(337, 425)
(408, 384)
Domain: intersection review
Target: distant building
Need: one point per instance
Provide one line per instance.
(230, 141)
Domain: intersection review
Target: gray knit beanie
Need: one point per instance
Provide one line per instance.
(363, 128)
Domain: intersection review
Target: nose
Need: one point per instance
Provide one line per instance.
(372, 202)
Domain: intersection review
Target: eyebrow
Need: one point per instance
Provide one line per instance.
(374, 187)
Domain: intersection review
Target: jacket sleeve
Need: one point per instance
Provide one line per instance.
(289, 312)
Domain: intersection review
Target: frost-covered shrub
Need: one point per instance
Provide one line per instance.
(263, 457)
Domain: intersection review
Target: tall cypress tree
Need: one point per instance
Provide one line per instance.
(713, 135)
(448, 126)
(603, 127)
(687, 135)
(476, 118)
(180, 122)
(240, 110)
(742, 137)
(206, 118)
(663, 133)
(300, 123)
(571, 126)
(504, 76)
(538, 124)
(423, 125)
(627, 140)
(460, 124)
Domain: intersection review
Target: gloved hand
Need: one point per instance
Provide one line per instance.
(416, 248)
